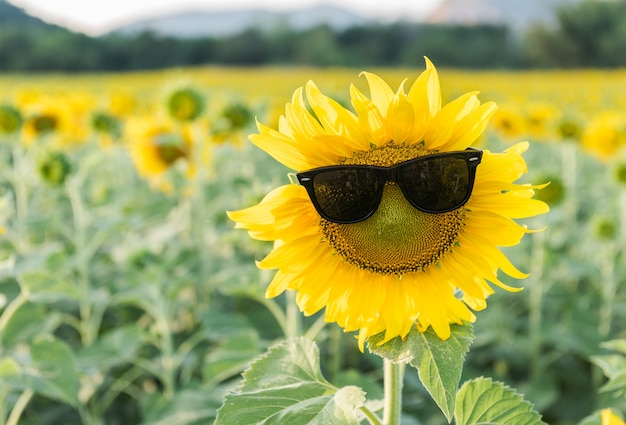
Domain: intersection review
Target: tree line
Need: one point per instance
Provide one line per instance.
(590, 34)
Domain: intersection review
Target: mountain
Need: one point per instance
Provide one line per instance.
(16, 16)
(216, 24)
(515, 14)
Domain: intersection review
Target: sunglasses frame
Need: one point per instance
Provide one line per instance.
(471, 156)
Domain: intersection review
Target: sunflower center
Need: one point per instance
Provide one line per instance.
(168, 148)
(397, 238)
(44, 123)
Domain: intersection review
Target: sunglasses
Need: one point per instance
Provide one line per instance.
(434, 184)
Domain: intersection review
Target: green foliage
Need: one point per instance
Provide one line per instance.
(286, 387)
(482, 401)
(439, 363)
(589, 34)
(50, 371)
(613, 366)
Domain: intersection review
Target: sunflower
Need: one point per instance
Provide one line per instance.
(605, 136)
(401, 267)
(509, 123)
(10, 119)
(157, 145)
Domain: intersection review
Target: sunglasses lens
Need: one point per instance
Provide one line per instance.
(347, 195)
(437, 184)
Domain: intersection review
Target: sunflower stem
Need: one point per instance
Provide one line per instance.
(19, 407)
(21, 198)
(394, 376)
(293, 325)
(536, 300)
(569, 172)
(609, 287)
(622, 221)
(315, 328)
(370, 416)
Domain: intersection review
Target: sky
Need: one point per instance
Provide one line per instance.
(98, 16)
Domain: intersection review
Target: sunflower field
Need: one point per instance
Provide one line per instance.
(128, 295)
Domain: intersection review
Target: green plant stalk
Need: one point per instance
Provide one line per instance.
(275, 310)
(10, 310)
(315, 328)
(19, 407)
(569, 170)
(536, 301)
(336, 350)
(21, 199)
(198, 214)
(167, 355)
(4, 392)
(370, 416)
(394, 376)
(622, 220)
(293, 316)
(88, 330)
(120, 385)
(609, 289)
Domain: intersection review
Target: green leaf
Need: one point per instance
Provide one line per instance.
(8, 367)
(618, 345)
(616, 383)
(218, 325)
(188, 406)
(28, 321)
(51, 372)
(113, 348)
(43, 287)
(231, 357)
(285, 387)
(482, 401)
(611, 364)
(439, 363)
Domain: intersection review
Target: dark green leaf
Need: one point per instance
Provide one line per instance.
(482, 401)
(285, 387)
(439, 363)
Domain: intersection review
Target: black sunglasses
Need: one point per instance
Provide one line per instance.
(434, 184)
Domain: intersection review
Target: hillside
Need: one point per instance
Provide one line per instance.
(192, 24)
(515, 14)
(16, 16)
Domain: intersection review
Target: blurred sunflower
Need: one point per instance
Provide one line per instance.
(185, 104)
(54, 118)
(10, 119)
(605, 135)
(540, 117)
(233, 119)
(399, 266)
(107, 127)
(156, 146)
(509, 123)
